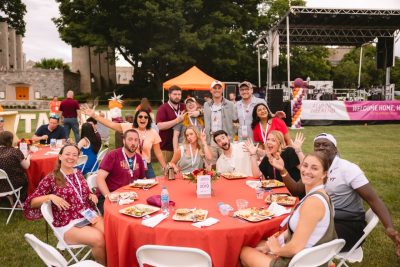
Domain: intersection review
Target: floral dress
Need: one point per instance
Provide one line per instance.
(67, 192)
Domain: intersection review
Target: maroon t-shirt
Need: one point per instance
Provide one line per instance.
(118, 169)
(69, 107)
(166, 113)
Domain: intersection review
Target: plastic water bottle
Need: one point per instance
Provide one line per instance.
(164, 200)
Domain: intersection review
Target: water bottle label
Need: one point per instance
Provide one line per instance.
(164, 198)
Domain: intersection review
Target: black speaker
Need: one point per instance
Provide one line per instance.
(287, 108)
(275, 100)
(384, 52)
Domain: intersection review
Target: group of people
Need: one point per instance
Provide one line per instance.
(190, 137)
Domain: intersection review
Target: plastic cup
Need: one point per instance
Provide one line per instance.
(242, 204)
(224, 209)
(114, 197)
(259, 193)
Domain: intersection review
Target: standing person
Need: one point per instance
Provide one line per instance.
(233, 157)
(53, 130)
(347, 186)
(103, 131)
(232, 97)
(263, 123)
(1, 124)
(14, 163)
(310, 224)
(198, 122)
(71, 115)
(54, 106)
(70, 196)
(120, 167)
(218, 115)
(90, 145)
(168, 115)
(145, 105)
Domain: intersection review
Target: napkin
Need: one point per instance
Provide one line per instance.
(145, 181)
(124, 201)
(153, 221)
(52, 153)
(253, 184)
(208, 222)
(277, 209)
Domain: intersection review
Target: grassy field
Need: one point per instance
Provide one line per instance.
(375, 148)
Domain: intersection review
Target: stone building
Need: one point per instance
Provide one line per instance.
(11, 55)
(124, 75)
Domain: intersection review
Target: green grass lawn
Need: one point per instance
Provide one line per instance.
(375, 148)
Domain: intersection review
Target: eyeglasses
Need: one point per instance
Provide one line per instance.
(54, 117)
(143, 117)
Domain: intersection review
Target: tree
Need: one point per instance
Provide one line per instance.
(51, 63)
(14, 12)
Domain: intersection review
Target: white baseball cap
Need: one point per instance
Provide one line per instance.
(216, 82)
(326, 136)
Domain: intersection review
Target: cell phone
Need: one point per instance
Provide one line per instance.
(83, 223)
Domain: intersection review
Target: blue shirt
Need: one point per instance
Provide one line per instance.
(57, 133)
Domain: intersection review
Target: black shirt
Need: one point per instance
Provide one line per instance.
(58, 133)
(290, 159)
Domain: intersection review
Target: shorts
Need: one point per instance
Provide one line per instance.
(63, 229)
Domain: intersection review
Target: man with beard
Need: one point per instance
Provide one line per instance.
(46, 132)
(120, 167)
(347, 186)
(233, 159)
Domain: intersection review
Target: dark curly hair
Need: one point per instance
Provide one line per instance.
(149, 120)
(256, 119)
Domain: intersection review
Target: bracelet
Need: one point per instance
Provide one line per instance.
(285, 173)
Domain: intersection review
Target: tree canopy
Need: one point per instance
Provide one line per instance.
(13, 12)
(51, 63)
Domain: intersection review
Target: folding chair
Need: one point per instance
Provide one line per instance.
(355, 254)
(171, 256)
(92, 183)
(51, 257)
(81, 162)
(318, 255)
(62, 245)
(100, 157)
(15, 192)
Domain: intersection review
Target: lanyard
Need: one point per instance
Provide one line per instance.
(193, 160)
(247, 110)
(142, 137)
(129, 162)
(176, 111)
(79, 194)
(191, 122)
(264, 136)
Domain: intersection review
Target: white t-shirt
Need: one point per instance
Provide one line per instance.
(238, 162)
(216, 117)
(343, 178)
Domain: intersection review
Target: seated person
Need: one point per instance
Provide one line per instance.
(275, 147)
(46, 132)
(347, 186)
(90, 145)
(233, 157)
(310, 224)
(14, 163)
(1, 124)
(193, 153)
(69, 194)
(120, 167)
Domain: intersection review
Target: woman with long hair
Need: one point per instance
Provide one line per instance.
(263, 124)
(275, 147)
(71, 199)
(90, 145)
(193, 153)
(311, 222)
(149, 138)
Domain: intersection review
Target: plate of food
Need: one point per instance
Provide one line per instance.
(281, 199)
(253, 214)
(114, 197)
(271, 183)
(190, 215)
(185, 175)
(233, 175)
(139, 210)
(144, 183)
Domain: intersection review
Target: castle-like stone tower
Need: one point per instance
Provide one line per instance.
(11, 54)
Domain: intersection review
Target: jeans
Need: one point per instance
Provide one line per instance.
(150, 171)
(72, 123)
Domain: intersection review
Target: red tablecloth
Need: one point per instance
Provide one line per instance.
(222, 241)
(40, 166)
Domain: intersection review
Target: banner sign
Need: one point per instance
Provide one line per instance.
(350, 110)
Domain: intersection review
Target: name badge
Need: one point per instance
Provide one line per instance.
(89, 215)
(203, 186)
(245, 134)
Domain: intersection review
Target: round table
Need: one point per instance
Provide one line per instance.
(42, 163)
(222, 241)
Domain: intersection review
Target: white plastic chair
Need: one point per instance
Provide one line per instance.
(355, 254)
(91, 181)
(100, 157)
(171, 256)
(62, 245)
(81, 162)
(318, 255)
(15, 192)
(51, 257)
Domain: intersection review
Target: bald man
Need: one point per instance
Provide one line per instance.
(71, 115)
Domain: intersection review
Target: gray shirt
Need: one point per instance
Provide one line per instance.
(244, 114)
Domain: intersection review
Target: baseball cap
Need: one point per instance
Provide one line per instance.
(216, 82)
(246, 83)
(326, 136)
(191, 99)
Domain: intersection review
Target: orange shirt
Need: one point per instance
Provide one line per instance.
(55, 106)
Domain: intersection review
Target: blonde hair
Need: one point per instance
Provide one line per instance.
(198, 142)
(280, 138)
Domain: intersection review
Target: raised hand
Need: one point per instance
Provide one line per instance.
(87, 111)
(280, 114)
(248, 146)
(203, 136)
(180, 117)
(276, 162)
(298, 141)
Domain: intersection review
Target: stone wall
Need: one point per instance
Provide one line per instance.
(71, 82)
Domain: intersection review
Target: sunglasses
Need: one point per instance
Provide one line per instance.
(55, 117)
(143, 117)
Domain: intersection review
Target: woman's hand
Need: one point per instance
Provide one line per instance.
(263, 247)
(194, 114)
(248, 146)
(276, 162)
(203, 136)
(87, 111)
(93, 198)
(298, 141)
(59, 202)
(273, 244)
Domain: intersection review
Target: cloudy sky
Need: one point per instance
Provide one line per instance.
(42, 39)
